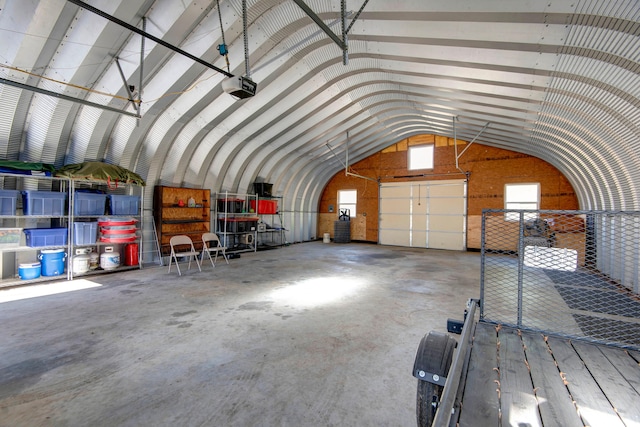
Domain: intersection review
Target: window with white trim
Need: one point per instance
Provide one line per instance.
(347, 199)
(420, 157)
(521, 196)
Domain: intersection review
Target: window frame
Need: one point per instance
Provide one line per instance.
(413, 148)
(348, 205)
(509, 216)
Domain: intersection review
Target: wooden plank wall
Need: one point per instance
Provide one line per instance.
(490, 169)
(358, 226)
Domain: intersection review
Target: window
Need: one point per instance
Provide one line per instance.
(521, 196)
(347, 200)
(420, 157)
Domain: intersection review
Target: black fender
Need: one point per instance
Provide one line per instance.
(434, 357)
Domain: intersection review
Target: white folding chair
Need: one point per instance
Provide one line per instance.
(182, 241)
(211, 243)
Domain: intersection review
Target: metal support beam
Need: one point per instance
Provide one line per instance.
(147, 35)
(346, 167)
(66, 97)
(343, 44)
(320, 23)
(346, 155)
(293, 47)
(142, 40)
(455, 142)
(345, 49)
(247, 70)
(473, 140)
(357, 14)
(423, 175)
(126, 86)
(455, 145)
(334, 153)
(362, 176)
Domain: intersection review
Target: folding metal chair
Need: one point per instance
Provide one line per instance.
(211, 243)
(182, 241)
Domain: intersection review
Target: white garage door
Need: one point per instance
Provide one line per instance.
(424, 214)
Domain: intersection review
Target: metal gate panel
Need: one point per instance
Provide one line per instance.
(568, 273)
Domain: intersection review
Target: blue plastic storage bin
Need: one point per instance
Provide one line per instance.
(89, 203)
(38, 237)
(43, 203)
(124, 205)
(8, 200)
(85, 233)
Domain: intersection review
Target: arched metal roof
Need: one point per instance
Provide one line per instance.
(557, 79)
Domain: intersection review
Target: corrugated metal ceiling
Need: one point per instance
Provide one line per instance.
(556, 79)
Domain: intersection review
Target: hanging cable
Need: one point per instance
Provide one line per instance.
(222, 48)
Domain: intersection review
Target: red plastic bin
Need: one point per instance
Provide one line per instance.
(265, 207)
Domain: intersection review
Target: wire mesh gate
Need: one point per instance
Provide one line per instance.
(568, 273)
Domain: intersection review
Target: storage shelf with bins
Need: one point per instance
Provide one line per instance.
(37, 204)
(237, 221)
(181, 210)
(270, 227)
(105, 220)
(44, 206)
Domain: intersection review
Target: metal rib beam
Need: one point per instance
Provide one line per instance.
(66, 97)
(147, 35)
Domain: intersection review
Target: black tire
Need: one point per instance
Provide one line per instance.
(427, 402)
(438, 352)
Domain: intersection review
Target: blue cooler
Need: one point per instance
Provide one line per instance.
(53, 261)
(29, 270)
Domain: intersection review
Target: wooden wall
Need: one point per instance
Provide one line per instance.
(490, 169)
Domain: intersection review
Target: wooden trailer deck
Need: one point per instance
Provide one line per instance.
(513, 376)
(516, 378)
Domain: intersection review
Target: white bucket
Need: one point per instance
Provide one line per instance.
(326, 238)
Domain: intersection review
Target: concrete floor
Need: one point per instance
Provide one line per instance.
(312, 334)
